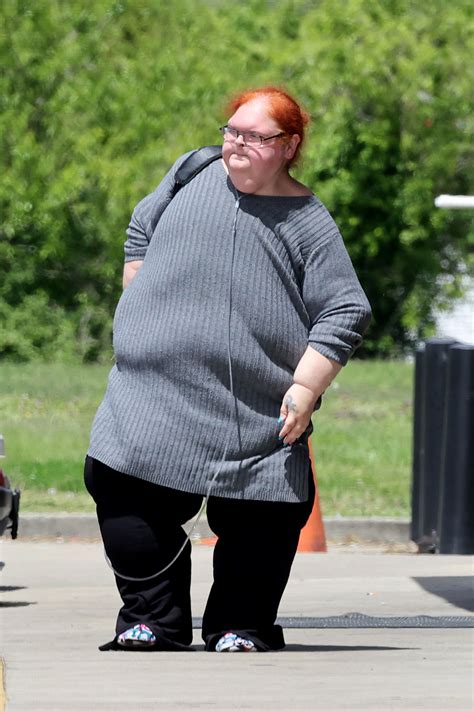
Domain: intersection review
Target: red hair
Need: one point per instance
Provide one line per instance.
(283, 109)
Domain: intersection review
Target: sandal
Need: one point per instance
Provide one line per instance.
(231, 642)
(138, 636)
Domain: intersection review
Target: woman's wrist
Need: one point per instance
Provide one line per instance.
(309, 391)
(315, 372)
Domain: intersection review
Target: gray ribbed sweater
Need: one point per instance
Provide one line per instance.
(168, 415)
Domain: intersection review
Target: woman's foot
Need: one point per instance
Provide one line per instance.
(138, 636)
(231, 642)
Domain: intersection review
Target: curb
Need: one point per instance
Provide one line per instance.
(338, 529)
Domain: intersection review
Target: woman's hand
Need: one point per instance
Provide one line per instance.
(296, 410)
(312, 376)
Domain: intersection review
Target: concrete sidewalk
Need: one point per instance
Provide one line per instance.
(58, 604)
(338, 529)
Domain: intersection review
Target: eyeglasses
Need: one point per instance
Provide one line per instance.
(249, 137)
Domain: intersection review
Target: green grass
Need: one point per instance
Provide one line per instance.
(45, 416)
(362, 436)
(362, 440)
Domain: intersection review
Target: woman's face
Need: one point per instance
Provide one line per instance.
(254, 168)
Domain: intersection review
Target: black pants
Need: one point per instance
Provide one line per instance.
(141, 526)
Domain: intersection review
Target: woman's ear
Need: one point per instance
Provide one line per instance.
(291, 146)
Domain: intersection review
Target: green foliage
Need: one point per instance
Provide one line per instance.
(98, 99)
(35, 328)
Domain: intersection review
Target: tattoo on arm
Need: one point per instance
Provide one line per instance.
(290, 403)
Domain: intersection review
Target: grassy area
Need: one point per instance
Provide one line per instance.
(45, 416)
(362, 436)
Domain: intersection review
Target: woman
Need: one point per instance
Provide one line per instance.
(240, 307)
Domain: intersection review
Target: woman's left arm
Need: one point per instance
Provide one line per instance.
(339, 314)
(314, 373)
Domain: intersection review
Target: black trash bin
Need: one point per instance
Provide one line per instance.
(456, 496)
(428, 423)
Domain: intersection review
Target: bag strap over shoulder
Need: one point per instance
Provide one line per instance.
(193, 165)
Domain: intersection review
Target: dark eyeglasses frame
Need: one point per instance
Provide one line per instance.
(230, 130)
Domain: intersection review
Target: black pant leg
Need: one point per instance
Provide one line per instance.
(257, 542)
(141, 526)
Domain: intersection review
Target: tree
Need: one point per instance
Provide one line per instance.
(98, 101)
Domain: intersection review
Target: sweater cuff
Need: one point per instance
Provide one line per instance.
(339, 355)
(134, 255)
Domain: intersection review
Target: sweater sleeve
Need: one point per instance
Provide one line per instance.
(147, 213)
(337, 306)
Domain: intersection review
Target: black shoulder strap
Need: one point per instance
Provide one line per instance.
(193, 165)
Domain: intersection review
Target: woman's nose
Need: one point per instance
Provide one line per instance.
(240, 139)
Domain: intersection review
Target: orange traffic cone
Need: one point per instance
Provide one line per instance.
(312, 536)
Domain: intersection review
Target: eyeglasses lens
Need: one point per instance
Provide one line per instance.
(249, 138)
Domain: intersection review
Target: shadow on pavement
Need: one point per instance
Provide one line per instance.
(455, 589)
(13, 603)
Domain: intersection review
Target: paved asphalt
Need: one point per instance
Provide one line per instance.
(58, 603)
